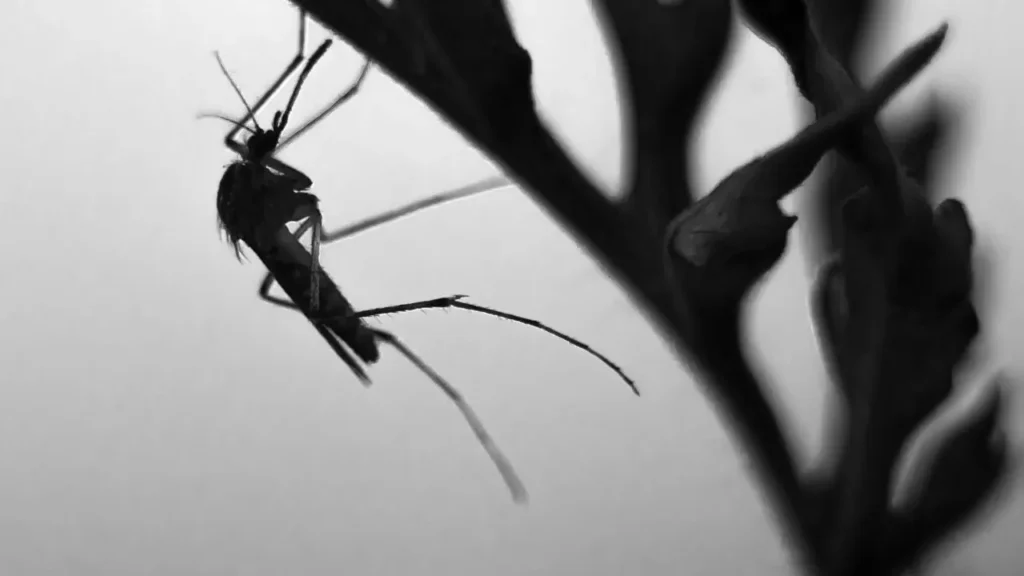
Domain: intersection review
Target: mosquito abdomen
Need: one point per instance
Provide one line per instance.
(335, 310)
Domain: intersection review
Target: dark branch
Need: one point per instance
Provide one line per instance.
(895, 311)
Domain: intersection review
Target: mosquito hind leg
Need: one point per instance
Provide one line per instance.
(342, 353)
(443, 302)
(325, 332)
(505, 468)
(482, 186)
(486, 185)
(456, 302)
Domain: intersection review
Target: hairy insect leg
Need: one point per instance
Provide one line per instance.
(314, 265)
(505, 468)
(325, 332)
(268, 282)
(363, 225)
(455, 302)
(305, 208)
(286, 242)
(342, 353)
(344, 97)
(230, 139)
(281, 118)
(486, 185)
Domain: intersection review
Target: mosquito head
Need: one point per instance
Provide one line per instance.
(261, 145)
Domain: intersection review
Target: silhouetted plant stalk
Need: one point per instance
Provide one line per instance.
(892, 302)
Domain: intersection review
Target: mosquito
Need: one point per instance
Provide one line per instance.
(259, 195)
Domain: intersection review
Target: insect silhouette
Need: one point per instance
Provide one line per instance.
(259, 195)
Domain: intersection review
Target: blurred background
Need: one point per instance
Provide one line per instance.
(157, 418)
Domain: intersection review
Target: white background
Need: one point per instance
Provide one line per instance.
(156, 418)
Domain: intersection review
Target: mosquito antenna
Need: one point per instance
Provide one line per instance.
(227, 75)
(226, 119)
(302, 78)
(508, 473)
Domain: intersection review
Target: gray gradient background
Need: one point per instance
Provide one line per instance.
(157, 419)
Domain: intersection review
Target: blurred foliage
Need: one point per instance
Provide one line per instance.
(893, 300)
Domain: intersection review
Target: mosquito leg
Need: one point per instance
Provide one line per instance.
(231, 141)
(486, 185)
(344, 97)
(341, 99)
(268, 279)
(304, 207)
(286, 241)
(315, 222)
(505, 468)
(293, 66)
(342, 353)
(324, 331)
(317, 55)
(443, 302)
(451, 301)
(556, 333)
(456, 302)
(303, 228)
(265, 294)
(314, 265)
